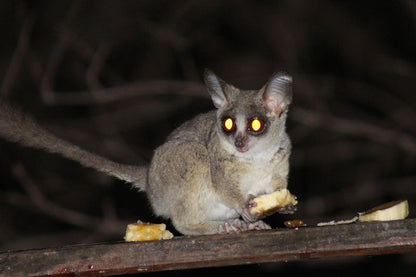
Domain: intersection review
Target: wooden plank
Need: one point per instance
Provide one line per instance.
(216, 250)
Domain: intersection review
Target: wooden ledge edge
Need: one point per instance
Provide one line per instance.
(371, 238)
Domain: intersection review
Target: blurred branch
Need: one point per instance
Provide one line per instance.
(18, 55)
(342, 151)
(36, 200)
(357, 128)
(96, 65)
(164, 34)
(123, 92)
(51, 68)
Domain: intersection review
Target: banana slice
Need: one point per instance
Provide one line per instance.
(146, 232)
(395, 210)
(268, 203)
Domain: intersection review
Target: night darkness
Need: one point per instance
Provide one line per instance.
(116, 77)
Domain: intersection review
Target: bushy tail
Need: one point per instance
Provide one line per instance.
(21, 128)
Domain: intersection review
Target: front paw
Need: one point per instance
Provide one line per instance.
(247, 215)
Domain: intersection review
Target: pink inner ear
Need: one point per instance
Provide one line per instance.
(273, 105)
(218, 101)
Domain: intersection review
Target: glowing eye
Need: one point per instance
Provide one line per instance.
(256, 125)
(228, 124)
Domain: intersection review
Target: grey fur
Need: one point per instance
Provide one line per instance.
(200, 181)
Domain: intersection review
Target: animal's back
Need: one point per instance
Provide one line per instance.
(198, 129)
(181, 166)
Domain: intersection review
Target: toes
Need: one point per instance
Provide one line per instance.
(230, 227)
(240, 225)
(235, 226)
(264, 226)
(259, 225)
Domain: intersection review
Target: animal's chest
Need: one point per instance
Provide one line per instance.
(251, 177)
(256, 178)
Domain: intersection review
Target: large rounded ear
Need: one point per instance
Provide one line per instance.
(215, 88)
(277, 94)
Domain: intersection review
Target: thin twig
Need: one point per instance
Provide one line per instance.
(18, 56)
(124, 92)
(36, 199)
(357, 128)
(96, 65)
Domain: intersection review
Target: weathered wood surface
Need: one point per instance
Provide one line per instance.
(216, 250)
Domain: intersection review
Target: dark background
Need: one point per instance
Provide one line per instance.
(116, 77)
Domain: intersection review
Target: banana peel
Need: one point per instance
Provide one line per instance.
(395, 210)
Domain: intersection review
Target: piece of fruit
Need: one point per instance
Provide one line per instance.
(146, 232)
(339, 222)
(395, 210)
(269, 203)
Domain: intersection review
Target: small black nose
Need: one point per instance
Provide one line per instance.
(240, 141)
